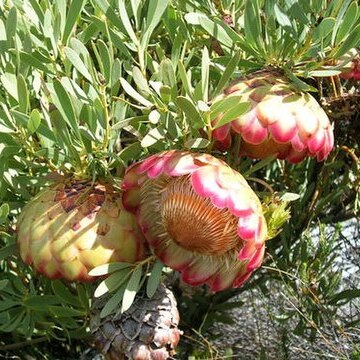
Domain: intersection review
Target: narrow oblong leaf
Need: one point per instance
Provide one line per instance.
(74, 11)
(34, 121)
(190, 111)
(205, 64)
(134, 94)
(78, 64)
(154, 279)
(114, 302)
(63, 103)
(131, 289)
(23, 94)
(233, 113)
(226, 75)
(109, 268)
(153, 136)
(112, 282)
(126, 22)
(198, 143)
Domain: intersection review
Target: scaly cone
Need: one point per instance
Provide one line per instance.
(146, 331)
(200, 217)
(281, 121)
(71, 227)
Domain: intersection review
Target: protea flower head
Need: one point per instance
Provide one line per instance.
(199, 216)
(280, 121)
(71, 227)
(147, 330)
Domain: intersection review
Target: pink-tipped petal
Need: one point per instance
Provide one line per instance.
(284, 129)
(256, 134)
(244, 122)
(222, 132)
(204, 181)
(317, 141)
(241, 280)
(248, 227)
(297, 144)
(256, 259)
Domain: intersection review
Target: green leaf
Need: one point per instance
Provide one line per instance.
(185, 79)
(288, 196)
(155, 12)
(205, 64)
(34, 121)
(216, 29)
(78, 64)
(63, 293)
(109, 268)
(228, 72)
(73, 13)
(198, 143)
(154, 279)
(9, 82)
(65, 311)
(131, 289)
(107, 9)
(23, 94)
(112, 282)
(4, 211)
(105, 60)
(220, 106)
(34, 62)
(281, 17)
(252, 24)
(348, 22)
(126, 22)
(64, 105)
(7, 251)
(3, 284)
(324, 28)
(353, 40)
(324, 73)
(233, 113)
(153, 136)
(345, 296)
(113, 302)
(190, 111)
(40, 302)
(11, 25)
(140, 81)
(134, 94)
(168, 73)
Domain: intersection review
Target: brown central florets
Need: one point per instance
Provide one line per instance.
(193, 222)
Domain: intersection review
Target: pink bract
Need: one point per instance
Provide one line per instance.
(199, 216)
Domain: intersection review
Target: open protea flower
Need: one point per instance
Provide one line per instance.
(199, 216)
(71, 227)
(148, 330)
(280, 121)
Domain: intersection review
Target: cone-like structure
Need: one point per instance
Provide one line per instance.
(147, 331)
(199, 216)
(280, 121)
(72, 227)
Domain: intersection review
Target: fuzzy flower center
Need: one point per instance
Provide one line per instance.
(193, 222)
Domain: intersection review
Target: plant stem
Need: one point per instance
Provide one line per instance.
(24, 343)
(106, 113)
